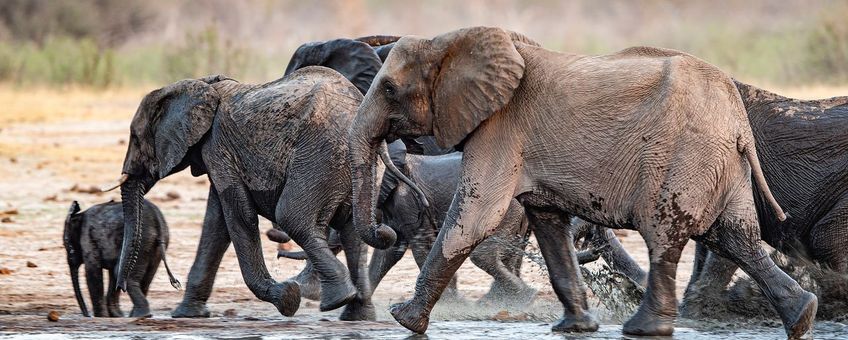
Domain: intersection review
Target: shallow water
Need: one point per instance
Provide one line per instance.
(31, 327)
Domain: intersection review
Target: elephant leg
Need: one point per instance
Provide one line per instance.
(658, 309)
(828, 242)
(305, 216)
(736, 236)
(557, 247)
(617, 257)
(214, 241)
(701, 253)
(94, 279)
(382, 260)
(310, 283)
(482, 203)
(507, 289)
(702, 294)
(356, 254)
(141, 308)
(243, 225)
(152, 266)
(113, 296)
(420, 249)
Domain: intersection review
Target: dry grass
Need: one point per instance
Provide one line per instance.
(35, 105)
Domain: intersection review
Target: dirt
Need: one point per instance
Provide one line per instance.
(49, 160)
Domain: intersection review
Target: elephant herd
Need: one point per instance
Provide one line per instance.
(483, 137)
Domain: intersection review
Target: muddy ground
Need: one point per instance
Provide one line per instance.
(56, 147)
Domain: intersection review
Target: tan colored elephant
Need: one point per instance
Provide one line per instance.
(647, 139)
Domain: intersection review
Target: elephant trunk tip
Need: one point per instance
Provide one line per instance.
(383, 236)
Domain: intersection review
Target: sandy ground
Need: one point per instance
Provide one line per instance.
(55, 146)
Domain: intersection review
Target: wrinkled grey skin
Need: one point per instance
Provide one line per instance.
(276, 150)
(93, 237)
(417, 226)
(647, 139)
(801, 146)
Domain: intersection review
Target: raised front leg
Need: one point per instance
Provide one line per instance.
(479, 204)
(305, 215)
(214, 241)
(243, 225)
(557, 246)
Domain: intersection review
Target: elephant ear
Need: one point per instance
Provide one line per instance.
(355, 60)
(479, 72)
(184, 111)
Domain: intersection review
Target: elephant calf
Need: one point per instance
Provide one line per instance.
(94, 237)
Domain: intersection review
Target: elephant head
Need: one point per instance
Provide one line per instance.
(164, 137)
(446, 87)
(73, 250)
(357, 60)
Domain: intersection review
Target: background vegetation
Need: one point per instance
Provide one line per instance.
(101, 43)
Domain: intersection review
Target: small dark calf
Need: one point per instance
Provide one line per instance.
(94, 237)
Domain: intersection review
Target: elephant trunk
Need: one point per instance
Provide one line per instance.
(132, 193)
(366, 135)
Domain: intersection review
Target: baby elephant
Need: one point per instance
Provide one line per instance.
(94, 237)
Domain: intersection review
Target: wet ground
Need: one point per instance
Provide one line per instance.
(55, 148)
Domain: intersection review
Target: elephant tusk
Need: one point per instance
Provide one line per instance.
(117, 183)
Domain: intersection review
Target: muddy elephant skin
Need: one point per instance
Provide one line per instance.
(648, 139)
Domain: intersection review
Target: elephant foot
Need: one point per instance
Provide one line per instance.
(646, 324)
(140, 312)
(194, 309)
(336, 294)
(410, 315)
(571, 324)
(310, 287)
(359, 310)
(802, 314)
(115, 312)
(289, 297)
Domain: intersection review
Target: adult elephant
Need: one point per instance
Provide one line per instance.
(359, 60)
(276, 150)
(801, 144)
(417, 226)
(551, 130)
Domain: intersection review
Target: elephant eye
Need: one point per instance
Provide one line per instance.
(389, 88)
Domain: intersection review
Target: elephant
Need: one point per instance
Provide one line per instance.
(417, 226)
(358, 60)
(93, 237)
(801, 144)
(648, 139)
(276, 150)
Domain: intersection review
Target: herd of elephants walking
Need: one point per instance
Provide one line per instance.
(462, 146)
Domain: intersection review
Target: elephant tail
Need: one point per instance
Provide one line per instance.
(163, 246)
(757, 172)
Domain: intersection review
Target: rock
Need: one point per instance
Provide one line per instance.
(31, 264)
(6, 219)
(5, 271)
(13, 159)
(173, 195)
(122, 141)
(504, 315)
(85, 189)
(53, 316)
(51, 198)
(230, 313)
(12, 211)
